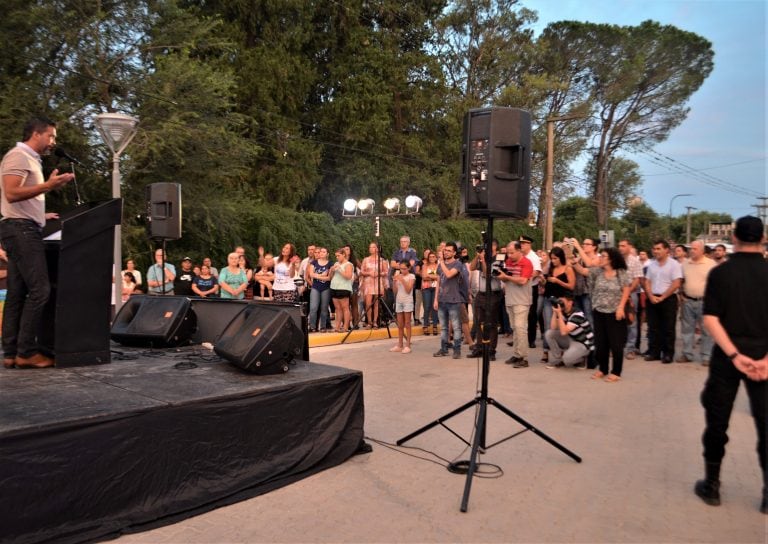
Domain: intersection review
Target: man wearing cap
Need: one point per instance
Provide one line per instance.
(159, 280)
(736, 316)
(526, 244)
(182, 284)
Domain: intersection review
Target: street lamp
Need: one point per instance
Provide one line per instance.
(117, 130)
(671, 200)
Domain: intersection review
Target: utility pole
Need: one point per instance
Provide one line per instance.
(688, 225)
(762, 212)
(549, 179)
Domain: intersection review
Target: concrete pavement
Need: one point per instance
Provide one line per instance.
(639, 440)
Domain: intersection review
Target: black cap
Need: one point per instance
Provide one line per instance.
(526, 239)
(749, 229)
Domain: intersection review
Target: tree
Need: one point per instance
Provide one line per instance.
(639, 80)
(623, 183)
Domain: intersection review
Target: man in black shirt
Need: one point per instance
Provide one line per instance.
(182, 284)
(736, 316)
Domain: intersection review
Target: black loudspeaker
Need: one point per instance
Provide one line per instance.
(154, 321)
(496, 163)
(164, 211)
(261, 340)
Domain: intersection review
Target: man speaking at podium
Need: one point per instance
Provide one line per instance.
(23, 209)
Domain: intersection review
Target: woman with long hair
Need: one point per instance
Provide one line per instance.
(368, 287)
(558, 281)
(609, 285)
(342, 273)
(286, 265)
(319, 275)
(429, 279)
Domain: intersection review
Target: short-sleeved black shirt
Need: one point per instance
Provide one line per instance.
(737, 293)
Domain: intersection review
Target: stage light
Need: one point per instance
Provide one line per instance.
(413, 204)
(366, 205)
(350, 206)
(392, 205)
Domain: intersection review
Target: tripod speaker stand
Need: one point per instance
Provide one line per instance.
(482, 400)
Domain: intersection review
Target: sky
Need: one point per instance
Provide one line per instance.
(723, 138)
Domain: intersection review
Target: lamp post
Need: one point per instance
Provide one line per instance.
(671, 200)
(117, 130)
(549, 179)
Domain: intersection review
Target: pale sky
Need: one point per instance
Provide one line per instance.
(724, 136)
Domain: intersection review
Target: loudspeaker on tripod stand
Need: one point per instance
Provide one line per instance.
(164, 211)
(496, 163)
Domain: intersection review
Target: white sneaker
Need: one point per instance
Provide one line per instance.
(406, 349)
(396, 349)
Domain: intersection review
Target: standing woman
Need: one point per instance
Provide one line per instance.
(428, 283)
(609, 285)
(286, 265)
(232, 279)
(342, 273)
(319, 275)
(353, 307)
(368, 287)
(559, 280)
(206, 284)
(245, 265)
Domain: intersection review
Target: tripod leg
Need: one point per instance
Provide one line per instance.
(536, 431)
(473, 455)
(437, 422)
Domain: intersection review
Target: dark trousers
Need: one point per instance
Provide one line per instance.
(717, 398)
(488, 319)
(662, 318)
(533, 317)
(610, 337)
(28, 287)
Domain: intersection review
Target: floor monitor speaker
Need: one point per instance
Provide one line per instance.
(154, 321)
(261, 340)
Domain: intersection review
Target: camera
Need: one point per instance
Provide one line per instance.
(497, 267)
(555, 302)
(479, 248)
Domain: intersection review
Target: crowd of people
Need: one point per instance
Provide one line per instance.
(586, 304)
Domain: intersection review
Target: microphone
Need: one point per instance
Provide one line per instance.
(59, 152)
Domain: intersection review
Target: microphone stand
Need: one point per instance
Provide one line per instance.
(78, 200)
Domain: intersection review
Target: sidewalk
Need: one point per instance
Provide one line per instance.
(639, 440)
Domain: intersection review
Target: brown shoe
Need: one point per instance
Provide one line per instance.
(9, 362)
(38, 360)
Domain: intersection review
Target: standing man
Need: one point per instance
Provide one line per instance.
(23, 210)
(720, 254)
(159, 281)
(517, 299)
(482, 318)
(736, 315)
(635, 271)
(182, 283)
(451, 272)
(662, 280)
(695, 272)
(526, 243)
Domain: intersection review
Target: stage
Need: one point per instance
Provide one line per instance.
(157, 436)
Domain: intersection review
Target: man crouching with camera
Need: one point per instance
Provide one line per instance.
(569, 336)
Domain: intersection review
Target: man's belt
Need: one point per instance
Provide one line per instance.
(693, 298)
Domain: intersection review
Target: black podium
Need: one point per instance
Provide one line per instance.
(76, 318)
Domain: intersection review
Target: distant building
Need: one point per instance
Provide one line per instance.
(720, 231)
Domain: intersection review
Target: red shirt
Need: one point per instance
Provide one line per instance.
(522, 268)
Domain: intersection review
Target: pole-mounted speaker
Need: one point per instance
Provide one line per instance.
(164, 211)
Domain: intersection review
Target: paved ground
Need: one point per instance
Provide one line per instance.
(639, 440)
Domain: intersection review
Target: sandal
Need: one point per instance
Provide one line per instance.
(611, 378)
(597, 375)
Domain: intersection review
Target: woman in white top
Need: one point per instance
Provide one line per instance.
(286, 265)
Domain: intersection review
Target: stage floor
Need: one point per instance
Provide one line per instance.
(159, 435)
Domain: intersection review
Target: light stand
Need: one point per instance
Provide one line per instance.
(482, 400)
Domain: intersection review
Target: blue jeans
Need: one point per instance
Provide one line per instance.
(28, 287)
(546, 313)
(584, 303)
(321, 299)
(428, 301)
(449, 311)
(632, 331)
(690, 315)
